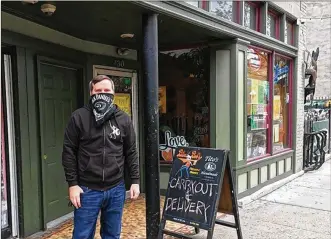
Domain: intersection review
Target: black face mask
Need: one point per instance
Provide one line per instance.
(102, 106)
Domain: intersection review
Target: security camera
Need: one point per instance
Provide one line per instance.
(123, 51)
(48, 9)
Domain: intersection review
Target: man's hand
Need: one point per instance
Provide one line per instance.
(74, 195)
(134, 191)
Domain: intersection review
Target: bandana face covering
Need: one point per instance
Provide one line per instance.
(102, 106)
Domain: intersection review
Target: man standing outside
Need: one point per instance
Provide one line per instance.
(99, 143)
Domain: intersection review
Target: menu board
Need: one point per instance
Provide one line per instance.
(193, 186)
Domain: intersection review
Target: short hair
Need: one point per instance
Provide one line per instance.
(99, 78)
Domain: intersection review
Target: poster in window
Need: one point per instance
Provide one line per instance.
(163, 99)
(276, 107)
(123, 101)
(257, 64)
(254, 91)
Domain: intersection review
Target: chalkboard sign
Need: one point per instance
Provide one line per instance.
(193, 186)
(195, 189)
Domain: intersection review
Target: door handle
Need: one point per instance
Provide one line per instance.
(45, 156)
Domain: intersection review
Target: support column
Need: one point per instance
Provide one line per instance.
(151, 126)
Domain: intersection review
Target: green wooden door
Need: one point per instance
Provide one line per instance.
(57, 100)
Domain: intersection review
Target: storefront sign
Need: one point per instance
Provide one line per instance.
(193, 194)
(171, 143)
(123, 101)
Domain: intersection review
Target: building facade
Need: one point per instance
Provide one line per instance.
(230, 76)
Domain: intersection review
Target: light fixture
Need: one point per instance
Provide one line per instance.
(127, 35)
(48, 9)
(25, 2)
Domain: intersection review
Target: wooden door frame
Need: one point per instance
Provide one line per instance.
(64, 64)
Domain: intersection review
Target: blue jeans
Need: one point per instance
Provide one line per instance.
(110, 203)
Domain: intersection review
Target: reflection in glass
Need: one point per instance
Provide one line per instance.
(222, 9)
(271, 26)
(4, 196)
(257, 102)
(281, 103)
(249, 16)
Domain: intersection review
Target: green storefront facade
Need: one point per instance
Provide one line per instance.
(53, 58)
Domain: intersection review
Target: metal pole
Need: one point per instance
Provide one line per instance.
(151, 116)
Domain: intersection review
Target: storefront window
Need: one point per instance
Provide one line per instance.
(257, 103)
(281, 100)
(251, 12)
(222, 9)
(183, 100)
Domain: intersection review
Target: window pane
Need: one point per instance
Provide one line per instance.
(281, 100)
(183, 100)
(194, 3)
(288, 33)
(257, 103)
(271, 26)
(250, 16)
(222, 9)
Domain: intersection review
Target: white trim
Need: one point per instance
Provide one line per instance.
(25, 27)
(11, 145)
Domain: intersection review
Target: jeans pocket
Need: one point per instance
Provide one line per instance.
(85, 189)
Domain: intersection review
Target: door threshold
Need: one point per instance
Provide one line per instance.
(59, 221)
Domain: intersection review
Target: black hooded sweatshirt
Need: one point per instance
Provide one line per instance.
(95, 157)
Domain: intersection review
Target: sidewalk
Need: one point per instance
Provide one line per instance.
(299, 209)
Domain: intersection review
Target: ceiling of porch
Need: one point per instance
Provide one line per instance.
(105, 21)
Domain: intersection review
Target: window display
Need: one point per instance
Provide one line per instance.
(281, 100)
(257, 103)
(183, 100)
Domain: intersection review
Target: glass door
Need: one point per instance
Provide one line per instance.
(9, 197)
(125, 82)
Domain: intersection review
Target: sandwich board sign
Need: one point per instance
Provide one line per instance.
(200, 185)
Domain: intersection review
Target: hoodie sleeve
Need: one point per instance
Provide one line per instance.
(69, 153)
(130, 152)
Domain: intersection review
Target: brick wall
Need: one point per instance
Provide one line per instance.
(300, 87)
(319, 35)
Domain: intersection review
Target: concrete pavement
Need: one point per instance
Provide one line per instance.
(299, 209)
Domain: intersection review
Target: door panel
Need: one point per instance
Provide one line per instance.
(58, 93)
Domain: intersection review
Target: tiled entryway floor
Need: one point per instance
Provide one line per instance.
(133, 227)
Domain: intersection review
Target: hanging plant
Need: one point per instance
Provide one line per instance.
(192, 62)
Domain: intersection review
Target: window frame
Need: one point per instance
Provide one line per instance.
(269, 141)
(290, 105)
(292, 32)
(276, 16)
(257, 7)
